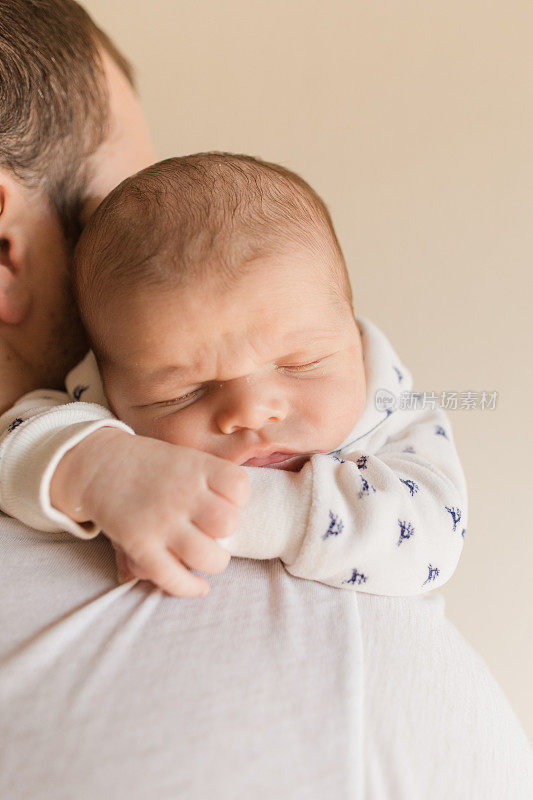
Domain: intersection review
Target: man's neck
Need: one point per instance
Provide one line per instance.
(16, 377)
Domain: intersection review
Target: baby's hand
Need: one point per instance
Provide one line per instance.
(162, 505)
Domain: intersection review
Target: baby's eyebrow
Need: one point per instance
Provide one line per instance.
(168, 371)
(305, 339)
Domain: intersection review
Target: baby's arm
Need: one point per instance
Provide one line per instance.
(35, 434)
(334, 521)
(390, 522)
(65, 466)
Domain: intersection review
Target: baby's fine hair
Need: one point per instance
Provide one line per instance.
(203, 218)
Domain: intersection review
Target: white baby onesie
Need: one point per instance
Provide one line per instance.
(385, 513)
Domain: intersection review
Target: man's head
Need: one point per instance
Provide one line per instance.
(70, 129)
(217, 301)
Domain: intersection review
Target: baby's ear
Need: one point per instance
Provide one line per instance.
(15, 297)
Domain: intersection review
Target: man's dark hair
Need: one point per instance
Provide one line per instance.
(54, 107)
(202, 219)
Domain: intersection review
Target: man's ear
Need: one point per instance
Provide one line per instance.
(15, 297)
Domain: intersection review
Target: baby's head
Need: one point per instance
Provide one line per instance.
(218, 305)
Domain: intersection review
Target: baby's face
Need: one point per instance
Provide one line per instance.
(265, 370)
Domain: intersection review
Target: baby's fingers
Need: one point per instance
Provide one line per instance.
(199, 552)
(168, 573)
(126, 568)
(216, 518)
(230, 482)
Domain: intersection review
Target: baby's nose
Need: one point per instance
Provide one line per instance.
(249, 407)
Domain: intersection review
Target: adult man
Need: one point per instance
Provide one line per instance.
(256, 689)
(71, 128)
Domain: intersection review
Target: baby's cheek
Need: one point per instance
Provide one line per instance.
(185, 427)
(335, 411)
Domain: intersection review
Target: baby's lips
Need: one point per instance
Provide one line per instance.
(293, 463)
(271, 459)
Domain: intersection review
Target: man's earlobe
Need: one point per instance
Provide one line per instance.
(15, 298)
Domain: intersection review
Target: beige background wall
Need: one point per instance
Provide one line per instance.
(414, 121)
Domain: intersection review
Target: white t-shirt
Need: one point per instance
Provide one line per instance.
(269, 687)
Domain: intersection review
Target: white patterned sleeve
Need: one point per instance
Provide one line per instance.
(34, 436)
(391, 522)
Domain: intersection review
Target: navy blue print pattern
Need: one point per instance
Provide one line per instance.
(411, 485)
(456, 515)
(409, 449)
(340, 460)
(16, 422)
(366, 488)
(433, 572)
(463, 532)
(406, 531)
(398, 373)
(357, 577)
(78, 391)
(439, 431)
(336, 526)
(361, 462)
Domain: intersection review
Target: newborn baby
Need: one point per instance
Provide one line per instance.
(219, 309)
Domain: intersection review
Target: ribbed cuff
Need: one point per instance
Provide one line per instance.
(29, 462)
(84, 530)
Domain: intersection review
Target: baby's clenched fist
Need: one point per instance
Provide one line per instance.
(162, 505)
